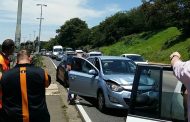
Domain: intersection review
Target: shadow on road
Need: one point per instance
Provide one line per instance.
(91, 102)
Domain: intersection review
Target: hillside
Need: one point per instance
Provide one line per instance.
(154, 46)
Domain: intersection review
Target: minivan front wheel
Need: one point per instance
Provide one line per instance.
(101, 102)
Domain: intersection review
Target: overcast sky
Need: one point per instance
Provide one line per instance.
(55, 15)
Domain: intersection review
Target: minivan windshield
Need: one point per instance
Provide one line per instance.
(117, 66)
(58, 50)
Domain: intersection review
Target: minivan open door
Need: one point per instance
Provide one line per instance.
(166, 102)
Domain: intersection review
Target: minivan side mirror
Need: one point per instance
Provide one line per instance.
(93, 72)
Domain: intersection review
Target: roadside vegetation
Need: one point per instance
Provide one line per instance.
(154, 46)
(37, 60)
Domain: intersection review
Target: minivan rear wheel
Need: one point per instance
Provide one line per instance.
(101, 102)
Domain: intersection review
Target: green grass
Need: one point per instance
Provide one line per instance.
(37, 60)
(150, 45)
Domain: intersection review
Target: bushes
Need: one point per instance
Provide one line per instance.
(37, 60)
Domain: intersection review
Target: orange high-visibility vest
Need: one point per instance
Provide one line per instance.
(5, 64)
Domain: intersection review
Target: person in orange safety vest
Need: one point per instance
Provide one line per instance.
(7, 50)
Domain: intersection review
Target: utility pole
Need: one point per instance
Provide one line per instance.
(18, 25)
(34, 34)
(38, 44)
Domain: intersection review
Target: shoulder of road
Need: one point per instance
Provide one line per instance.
(56, 97)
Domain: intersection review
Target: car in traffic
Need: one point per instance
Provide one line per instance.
(79, 53)
(109, 80)
(138, 59)
(59, 56)
(94, 53)
(49, 53)
(56, 50)
(169, 98)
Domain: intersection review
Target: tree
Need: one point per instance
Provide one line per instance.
(49, 45)
(69, 32)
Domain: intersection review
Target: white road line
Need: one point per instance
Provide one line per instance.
(53, 63)
(79, 107)
(83, 112)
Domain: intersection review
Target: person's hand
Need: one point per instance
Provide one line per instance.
(175, 54)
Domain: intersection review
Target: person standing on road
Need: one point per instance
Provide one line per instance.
(182, 72)
(7, 50)
(70, 97)
(23, 90)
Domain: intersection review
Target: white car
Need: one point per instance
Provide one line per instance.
(79, 53)
(138, 59)
(94, 53)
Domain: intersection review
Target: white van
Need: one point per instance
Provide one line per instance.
(56, 50)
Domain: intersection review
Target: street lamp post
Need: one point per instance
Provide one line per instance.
(18, 25)
(38, 43)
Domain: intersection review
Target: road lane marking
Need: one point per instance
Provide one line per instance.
(79, 107)
(53, 63)
(83, 112)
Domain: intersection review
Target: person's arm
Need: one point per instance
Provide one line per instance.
(181, 69)
(47, 79)
(1, 71)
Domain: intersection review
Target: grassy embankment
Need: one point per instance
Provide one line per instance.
(154, 46)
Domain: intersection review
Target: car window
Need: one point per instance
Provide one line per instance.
(77, 64)
(91, 60)
(155, 94)
(97, 63)
(86, 67)
(147, 93)
(172, 99)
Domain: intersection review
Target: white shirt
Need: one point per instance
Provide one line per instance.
(182, 72)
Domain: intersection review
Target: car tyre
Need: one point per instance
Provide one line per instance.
(101, 102)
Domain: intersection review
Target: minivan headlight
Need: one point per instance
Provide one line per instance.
(114, 86)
